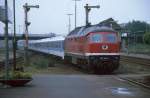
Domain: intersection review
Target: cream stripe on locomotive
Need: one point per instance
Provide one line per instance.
(89, 54)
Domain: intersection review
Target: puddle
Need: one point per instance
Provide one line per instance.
(121, 91)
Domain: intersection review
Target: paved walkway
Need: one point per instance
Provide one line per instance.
(76, 86)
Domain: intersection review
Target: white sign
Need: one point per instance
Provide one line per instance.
(2, 14)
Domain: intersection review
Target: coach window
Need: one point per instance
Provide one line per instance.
(96, 38)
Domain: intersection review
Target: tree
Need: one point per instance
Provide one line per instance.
(147, 38)
(137, 26)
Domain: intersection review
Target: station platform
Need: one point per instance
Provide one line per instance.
(143, 56)
(76, 86)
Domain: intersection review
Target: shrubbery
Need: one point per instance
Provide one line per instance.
(17, 75)
(39, 62)
(147, 38)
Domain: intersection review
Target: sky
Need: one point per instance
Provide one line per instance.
(52, 14)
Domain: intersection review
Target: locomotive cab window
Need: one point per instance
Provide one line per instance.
(96, 38)
(111, 38)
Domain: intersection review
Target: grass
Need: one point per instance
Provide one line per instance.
(44, 64)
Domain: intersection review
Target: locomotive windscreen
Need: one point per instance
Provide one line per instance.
(96, 38)
(107, 37)
(111, 38)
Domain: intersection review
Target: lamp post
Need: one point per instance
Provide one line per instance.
(69, 26)
(26, 10)
(6, 42)
(75, 1)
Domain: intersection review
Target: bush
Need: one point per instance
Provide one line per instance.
(40, 63)
(21, 75)
(18, 75)
(147, 38)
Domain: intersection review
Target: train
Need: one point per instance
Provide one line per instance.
(94, 48)
(53, 46)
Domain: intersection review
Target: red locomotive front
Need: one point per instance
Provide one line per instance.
(95, 48)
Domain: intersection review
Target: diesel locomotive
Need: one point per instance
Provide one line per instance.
(95, 48)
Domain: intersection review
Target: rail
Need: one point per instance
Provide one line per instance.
(18, 60)
(135, 60)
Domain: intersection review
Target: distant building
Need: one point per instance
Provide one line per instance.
(111, 23)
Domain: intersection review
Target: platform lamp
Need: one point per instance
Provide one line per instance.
(75, 1)
(27, 23)
(69, 25)
(14, 38)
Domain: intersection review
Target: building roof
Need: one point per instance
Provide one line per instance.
(110, 22)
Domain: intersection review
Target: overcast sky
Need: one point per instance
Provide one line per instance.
(51, 16)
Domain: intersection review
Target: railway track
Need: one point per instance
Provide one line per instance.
(135, 60)
(141, 80)
(18, 60)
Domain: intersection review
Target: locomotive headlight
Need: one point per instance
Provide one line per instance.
(104, 47)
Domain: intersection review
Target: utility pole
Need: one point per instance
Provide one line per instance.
(69, 26)
(87, 10)
(27, 9)
(76, 12)
(14, 38)
(6, 42)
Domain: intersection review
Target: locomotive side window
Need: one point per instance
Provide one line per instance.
(111, 38)
(96, 38)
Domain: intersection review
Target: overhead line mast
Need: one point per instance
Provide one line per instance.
(76, 12)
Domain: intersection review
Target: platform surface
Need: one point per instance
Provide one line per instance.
(143, 56)
(76, 86)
